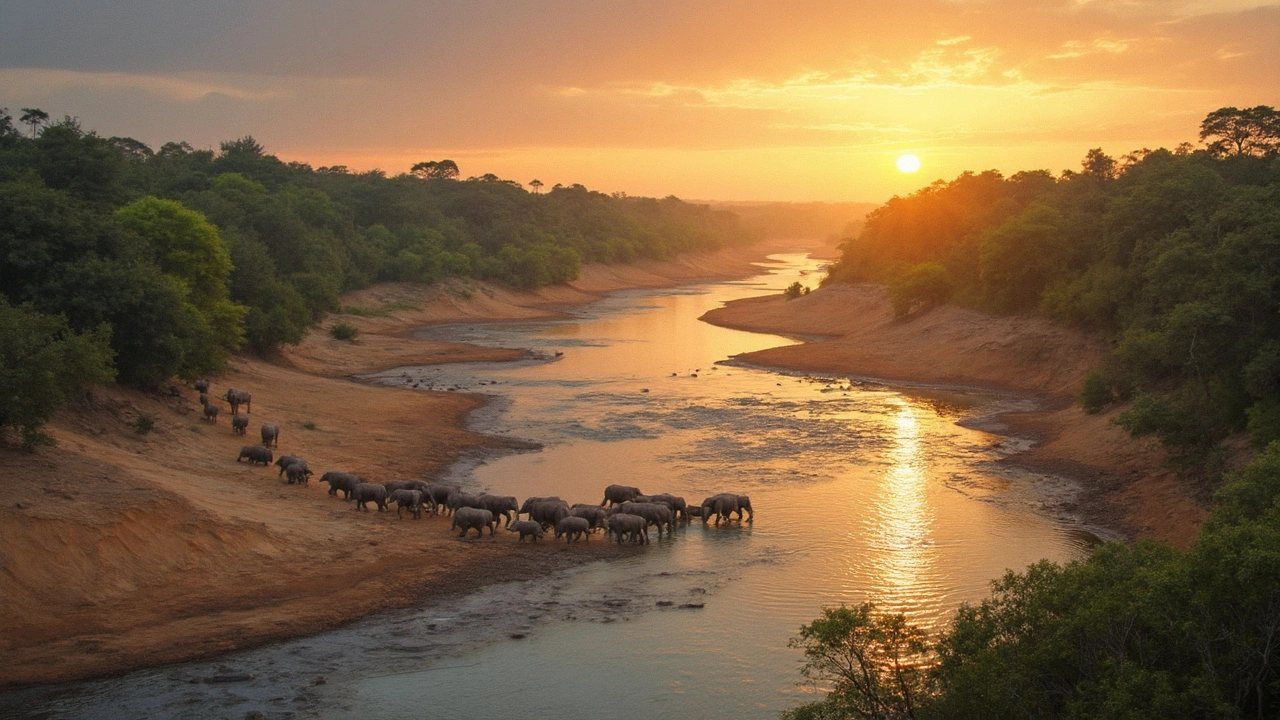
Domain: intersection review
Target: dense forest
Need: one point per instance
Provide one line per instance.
(160, 263)
(1174, 256)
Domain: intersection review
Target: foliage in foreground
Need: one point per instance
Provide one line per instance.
(1129, 632)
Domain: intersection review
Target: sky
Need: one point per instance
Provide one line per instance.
(705, 99)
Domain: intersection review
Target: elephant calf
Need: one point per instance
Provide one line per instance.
(239, 423)
(411, 499)
(210, 411)
(526, 528)
(344, 481)
(285, 461)
(255, 454)
(469, 517)
(573, 528)
(270, 434)
(370, 493)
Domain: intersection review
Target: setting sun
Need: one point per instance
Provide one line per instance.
(908, 163)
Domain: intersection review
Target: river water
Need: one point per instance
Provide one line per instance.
(862, 492)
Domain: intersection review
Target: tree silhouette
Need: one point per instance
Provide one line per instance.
(536, 184)
(435, 170)
(35, 117)
(1251, 131)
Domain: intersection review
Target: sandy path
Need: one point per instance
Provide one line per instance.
(122, 550)
(1127, 483)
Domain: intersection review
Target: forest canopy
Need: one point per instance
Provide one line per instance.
(1172, 254)
(185, 255)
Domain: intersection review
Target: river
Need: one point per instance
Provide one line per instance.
(861, 491)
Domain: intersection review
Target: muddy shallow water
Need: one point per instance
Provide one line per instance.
(861, 492)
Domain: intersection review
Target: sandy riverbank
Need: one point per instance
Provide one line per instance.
(1127, 485)
(122, 550)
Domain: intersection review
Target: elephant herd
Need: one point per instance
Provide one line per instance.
(625, 514)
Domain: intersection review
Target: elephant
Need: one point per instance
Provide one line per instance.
(504, 505)
(299, 473)
(239, 423)
(236, 398)
(678, 506)
(370, 493)
(395, 485)
(285, 461)
(255, 454)
(624, 525)
(594, 514)
(469, 517)
(528, 503)
(270, 435)
(618, 494)
(202, 385)
(411, 499)
(439, 495)
(726, 504)
(549, 512)
(210, 412)
(526, 528)
(460, 500)
(573, 527)
(344, 481)
(653, 513)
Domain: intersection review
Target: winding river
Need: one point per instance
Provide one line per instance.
(862, 492)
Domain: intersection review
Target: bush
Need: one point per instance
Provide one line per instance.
(925, 285)
(343, 331)
(43, 363)
(795, 290)
(145, 423)
(1095, 393)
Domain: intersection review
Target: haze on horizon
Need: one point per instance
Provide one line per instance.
(743, 100)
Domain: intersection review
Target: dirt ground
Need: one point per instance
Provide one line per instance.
(1127, 483)
(122, 550)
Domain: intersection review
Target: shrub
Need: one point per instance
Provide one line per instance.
(1095, 393)
(145, 423)
(343, 331)
(795, 290)
(927, 284)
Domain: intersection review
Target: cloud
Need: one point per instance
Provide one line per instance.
(186, 88)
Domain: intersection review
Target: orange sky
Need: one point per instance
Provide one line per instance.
(725, 100)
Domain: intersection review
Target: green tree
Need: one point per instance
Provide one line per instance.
(43, 363)
(185, 247)
(875, 662)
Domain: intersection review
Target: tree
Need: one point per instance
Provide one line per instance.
(536, 184)
(1099, 165)
(875, 661)
(435, 170)
(1251, 131)
(35, 117)
(43, 362)
(188, 249)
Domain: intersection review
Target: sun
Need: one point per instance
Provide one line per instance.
(908, 163)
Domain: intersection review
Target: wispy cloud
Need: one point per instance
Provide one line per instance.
(184, 88)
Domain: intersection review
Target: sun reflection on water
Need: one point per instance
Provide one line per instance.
(903, 520)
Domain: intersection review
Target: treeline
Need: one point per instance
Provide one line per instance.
(1145, 631)
(176, 257)
(1174, 255)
